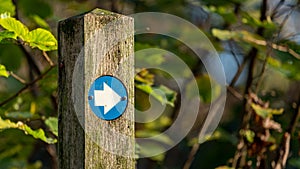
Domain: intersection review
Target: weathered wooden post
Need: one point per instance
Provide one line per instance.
(96, 44)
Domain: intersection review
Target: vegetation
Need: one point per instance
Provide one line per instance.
(257, 40)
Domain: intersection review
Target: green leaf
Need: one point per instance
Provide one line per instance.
(150, 148)
(295, 162)
(10, 152)
(161, 93)
(13, 25)
(223, 34)
(227, 13)
(40, 21)
(208, 89)
(157, 145)
(160, 123)
(286, 64)
(144, 76)
(52, 123)
(219, 134)
(7, 6)
(7, 35)
(42, 39)
(3, 71)
(266, 112)
(38, 134)
(154, 135)
(248, 134)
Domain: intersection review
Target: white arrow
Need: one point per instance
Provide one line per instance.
(107, 98)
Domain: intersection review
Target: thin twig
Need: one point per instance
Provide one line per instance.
(21, 80)
(284, 151)
(26, 87)
(295, 119)
(275, 10)
(191, 156)
(273, 45)
(239, 72)
(48, 58)
(233, 54)
(264, 67)
(235, 93)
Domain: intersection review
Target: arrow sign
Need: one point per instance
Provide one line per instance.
(107, 98)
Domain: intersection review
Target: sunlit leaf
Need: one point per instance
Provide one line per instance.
(38, 134)
(223, 34)
(7, 6)
(266, 112)
(42, 39)
(248, 134)
(52, 123)
(13, 25)
(3, 71)
(144, 76)
(161, 93)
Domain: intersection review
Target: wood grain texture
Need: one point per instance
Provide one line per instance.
(91, 45)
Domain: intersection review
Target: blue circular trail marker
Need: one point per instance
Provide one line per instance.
(108, 97)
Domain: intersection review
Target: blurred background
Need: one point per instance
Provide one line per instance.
(257, 42)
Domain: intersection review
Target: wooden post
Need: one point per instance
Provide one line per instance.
(91, 45)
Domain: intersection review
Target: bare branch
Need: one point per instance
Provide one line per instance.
(48, 58)
(284, 151)
(235, 93)
(273, 45)
(26, 87)
(21, 80)
(239, 72)
(191, 156)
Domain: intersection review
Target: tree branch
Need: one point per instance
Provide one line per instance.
(26, 87)
(191, 156)
(21, 80)
(273, 45)
(240, 155)
(48, 58)
(284, 151)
